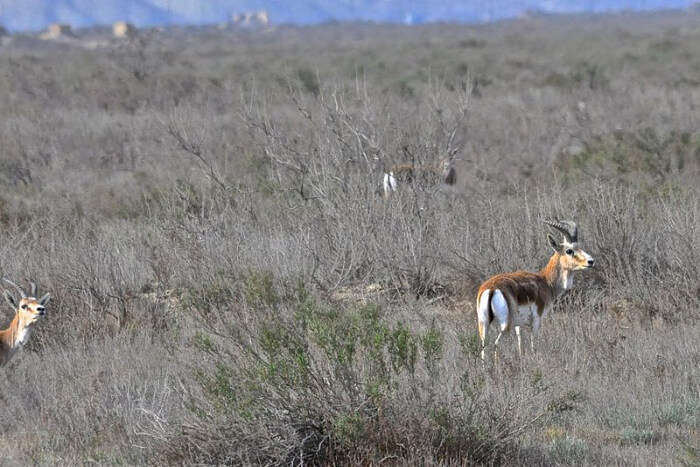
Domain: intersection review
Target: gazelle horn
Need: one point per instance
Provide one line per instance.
(568, 228)
(19, 289)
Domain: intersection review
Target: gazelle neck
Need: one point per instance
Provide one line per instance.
(18, 332)
(558, 278)
(14, 337)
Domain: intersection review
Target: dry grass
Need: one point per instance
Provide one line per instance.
(228, 285)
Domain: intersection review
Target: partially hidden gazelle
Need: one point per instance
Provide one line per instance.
(28, 310)
(443, 173)
(521, 298)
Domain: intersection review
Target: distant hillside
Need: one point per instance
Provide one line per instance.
(18, 15)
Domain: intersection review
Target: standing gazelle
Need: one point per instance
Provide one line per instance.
(28, 310)
(426, 175)
(522, 298)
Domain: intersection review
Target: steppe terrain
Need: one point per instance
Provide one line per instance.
(229, 286)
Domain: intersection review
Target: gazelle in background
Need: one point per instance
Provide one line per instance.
(428, 175)
(28, 310)
(522, 298)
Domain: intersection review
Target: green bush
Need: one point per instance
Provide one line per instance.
(366, 369)
(635, 437)
(568, 451)
(309, 80)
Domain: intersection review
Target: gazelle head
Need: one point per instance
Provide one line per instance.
(28, 308)
(571, 257)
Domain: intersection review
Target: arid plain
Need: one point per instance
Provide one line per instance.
(229, 286)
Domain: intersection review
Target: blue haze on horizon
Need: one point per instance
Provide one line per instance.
(32, 15)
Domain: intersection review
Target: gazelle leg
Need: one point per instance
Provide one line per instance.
(483, 329)
(535, 331)
(484, 318)
(495, 346)
(500, 309)
(520, 345)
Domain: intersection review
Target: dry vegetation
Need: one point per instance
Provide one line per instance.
(229, 287)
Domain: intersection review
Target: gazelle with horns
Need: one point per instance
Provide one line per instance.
(444, 173)
(522, 298)
(28, 310)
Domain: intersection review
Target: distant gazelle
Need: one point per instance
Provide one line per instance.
(429, 175)
(522, 298)
(28, 310)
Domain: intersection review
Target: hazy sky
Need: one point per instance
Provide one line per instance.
(36, 14)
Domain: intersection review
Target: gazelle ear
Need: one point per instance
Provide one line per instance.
(10, 299)
(44, 300)
(553, 242)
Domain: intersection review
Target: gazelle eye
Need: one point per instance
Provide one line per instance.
(24, 307)
(569, 251)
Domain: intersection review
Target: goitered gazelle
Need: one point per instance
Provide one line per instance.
(28, 310)
(521, 298)
(427, 175)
